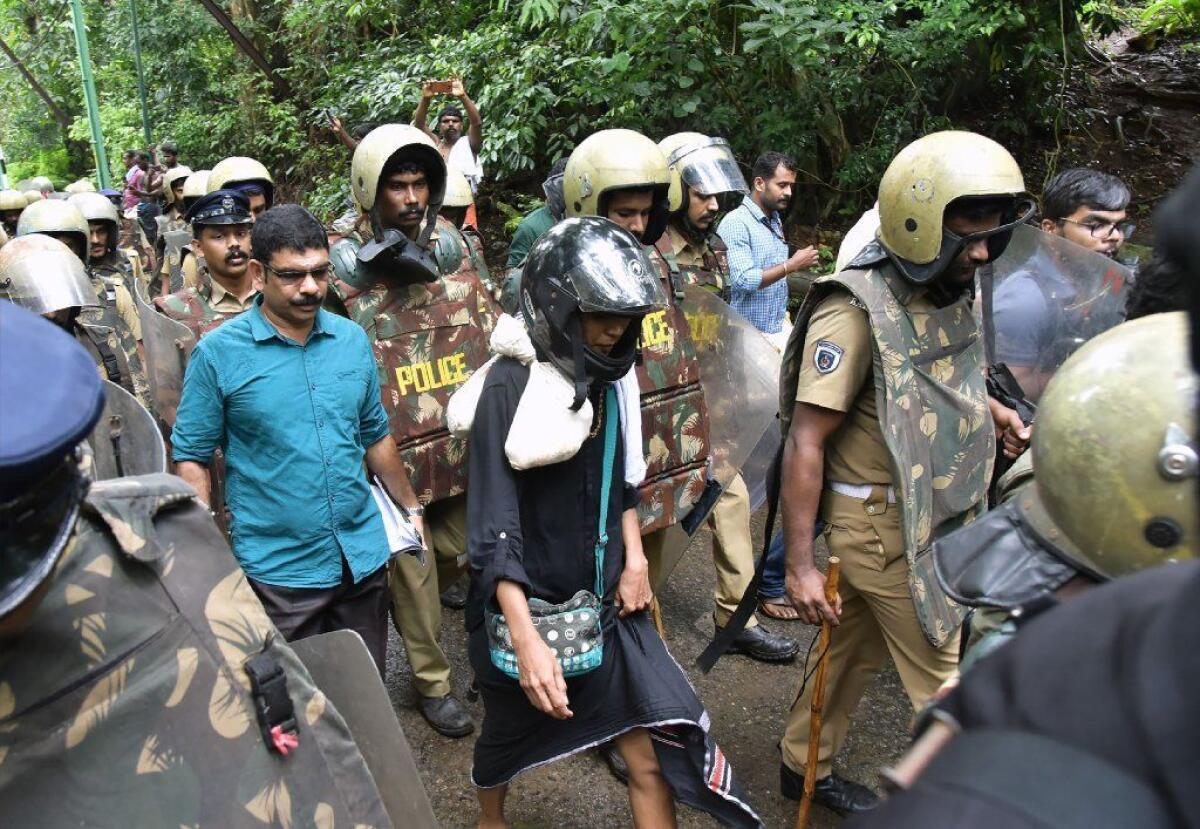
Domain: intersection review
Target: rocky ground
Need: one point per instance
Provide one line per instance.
(748, 702)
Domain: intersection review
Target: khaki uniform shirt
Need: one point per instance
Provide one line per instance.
(687, 254)
(225, 302)
(843, 381)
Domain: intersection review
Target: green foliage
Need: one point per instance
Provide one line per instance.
(1172, 16)
(44, 161)
(841, 84)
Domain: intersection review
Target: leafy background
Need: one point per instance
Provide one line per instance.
(841, 84)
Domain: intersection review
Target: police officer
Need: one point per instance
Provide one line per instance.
(1087, 713)
(890, 440)
(246, 175)
(220, 224)
(43, 275)
(174, 180)
(413, 288)
(142, 683)
(12, 202)
(706, 181)
(115, 313)
(1046, 543)
(106, 261)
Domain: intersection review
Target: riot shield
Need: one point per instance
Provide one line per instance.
(342, 668)
(1050, 296)
(173, 244)
(126, 440)
(739, 372)
(167, 343)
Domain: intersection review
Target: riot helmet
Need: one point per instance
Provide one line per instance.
(383, 151)
(1114, 484)
(96, 208)
(458, 197)
(194, 187)
(172, 177)
(79, 186)
(59, 219)
(32, 196)
(42, 184)
(242, 173)
(587, 265)
(43, 275)
(613, 160)
(41, 483)
(924, 179)
(552, 188)
(705, 165)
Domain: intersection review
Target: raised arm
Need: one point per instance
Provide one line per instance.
(422, 113)
(474, 121)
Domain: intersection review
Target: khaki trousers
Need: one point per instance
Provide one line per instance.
(416, 589)
(732, 550)
(878, 619)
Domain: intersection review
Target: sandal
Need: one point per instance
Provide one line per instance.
(780, 610)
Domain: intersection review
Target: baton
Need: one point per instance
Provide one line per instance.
(817, 703)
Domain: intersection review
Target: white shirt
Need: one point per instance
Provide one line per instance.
(463, 159)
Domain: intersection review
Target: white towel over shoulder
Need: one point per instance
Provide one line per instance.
(544, 429)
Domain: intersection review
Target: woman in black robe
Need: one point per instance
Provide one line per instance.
(533, 533)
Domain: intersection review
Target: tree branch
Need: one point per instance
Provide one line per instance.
(280, 86)
(56, 111)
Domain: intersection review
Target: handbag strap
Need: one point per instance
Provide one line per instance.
(611, 416)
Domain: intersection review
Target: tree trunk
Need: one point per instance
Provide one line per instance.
(56, 112)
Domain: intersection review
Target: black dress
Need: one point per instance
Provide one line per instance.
(538, 528)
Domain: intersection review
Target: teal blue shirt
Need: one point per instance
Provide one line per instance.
(294, 421)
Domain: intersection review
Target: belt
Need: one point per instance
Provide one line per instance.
(860, 492)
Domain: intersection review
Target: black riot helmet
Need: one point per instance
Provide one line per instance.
(587, 265)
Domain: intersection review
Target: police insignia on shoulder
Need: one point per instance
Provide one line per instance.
(827, 356)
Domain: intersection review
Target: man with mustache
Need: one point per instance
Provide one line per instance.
(758, 252)
(290, 393)
(407, 277)
(221, 225)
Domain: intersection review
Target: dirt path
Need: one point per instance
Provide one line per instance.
(748, 702)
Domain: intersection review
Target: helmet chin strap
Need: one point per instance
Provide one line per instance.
(579, 359)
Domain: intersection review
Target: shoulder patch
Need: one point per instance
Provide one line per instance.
(827, 357)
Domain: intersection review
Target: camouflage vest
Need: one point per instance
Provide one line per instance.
(125, 701)
(479, 263)
(117, 267)
(428, 339)
(112, 343)
(674, 414)
(712, 273)
(932, 402)
(190, 306)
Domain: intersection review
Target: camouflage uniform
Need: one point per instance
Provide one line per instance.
(937, 449)
(674, 413)
(143, 716)
(704, 265)
(111, 333)
(204, 307)
(428, 338)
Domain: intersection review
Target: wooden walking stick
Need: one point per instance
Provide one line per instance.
(817, 705)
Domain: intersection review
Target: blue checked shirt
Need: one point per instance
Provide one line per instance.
(755, 243)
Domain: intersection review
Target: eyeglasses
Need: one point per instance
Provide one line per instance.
(1102, 230)
(320, 274)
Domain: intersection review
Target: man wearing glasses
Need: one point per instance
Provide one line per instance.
(1048, 307)
(290, 393)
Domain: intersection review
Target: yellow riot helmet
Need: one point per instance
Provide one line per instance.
(924, 178)
(458, 190)
(42, 275)
(79, 186)
(392, 144)
(42, 184)
(54, 217)
(617, 160)
(240, 169)
(96, 208)
(195, 187)
(1119, 480)
(705, 165)
(33, 195)
(170, 177)
(12, 200)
